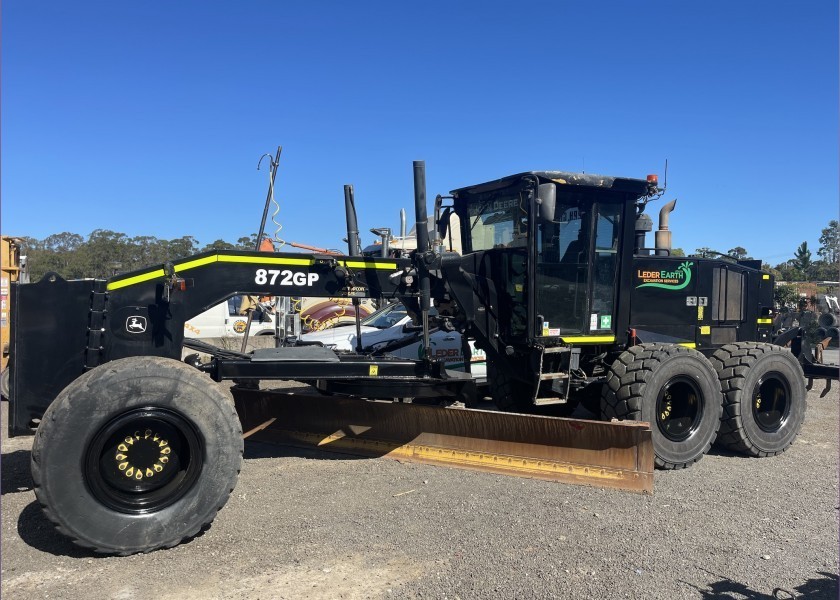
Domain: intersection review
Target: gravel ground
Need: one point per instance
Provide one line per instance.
(309, 525)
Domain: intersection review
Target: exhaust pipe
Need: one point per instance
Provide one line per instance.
(663, 235)
(643, 224)
(354, 246)
(402, 223)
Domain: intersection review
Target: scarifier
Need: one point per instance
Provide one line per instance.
(137, 450)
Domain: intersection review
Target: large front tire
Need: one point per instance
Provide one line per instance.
(137, 454)
(508, 393)
(764, 398)
(676, 390)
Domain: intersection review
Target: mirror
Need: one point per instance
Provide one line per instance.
(443, 222)
(546, 201)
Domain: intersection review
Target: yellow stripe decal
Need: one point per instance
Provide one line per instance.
(365, 264)
(192, 264)
(268, 260)
(688, 344)
(115, 285)
(589, 339)
(765, 321)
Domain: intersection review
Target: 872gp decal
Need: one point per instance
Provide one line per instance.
(286, 277)
(666, 280)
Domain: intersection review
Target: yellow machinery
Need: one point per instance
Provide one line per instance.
(12, 271)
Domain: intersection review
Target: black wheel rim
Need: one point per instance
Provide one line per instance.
(143, 460)
(771, 402)
(679, 409)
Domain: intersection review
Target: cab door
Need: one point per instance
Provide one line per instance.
(576, 266)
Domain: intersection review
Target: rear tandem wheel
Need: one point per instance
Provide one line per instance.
(763, 397)
(676, 390)
(137, 454)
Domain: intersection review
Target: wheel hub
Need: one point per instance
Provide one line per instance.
(771, 402)
(679, 408)
(143, 460)
(143, 455)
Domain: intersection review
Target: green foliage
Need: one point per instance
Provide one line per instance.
(830, 243)
(738, 253)
(785, 296)
(105, 253)
(705, 252)
(677, 252)
(802, 258)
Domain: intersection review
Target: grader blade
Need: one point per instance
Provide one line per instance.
(611, 455)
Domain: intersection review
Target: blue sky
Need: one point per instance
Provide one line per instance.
(148, 118)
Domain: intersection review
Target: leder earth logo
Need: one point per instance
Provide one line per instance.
(666, 280)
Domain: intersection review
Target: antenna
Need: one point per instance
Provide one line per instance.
(665, 178)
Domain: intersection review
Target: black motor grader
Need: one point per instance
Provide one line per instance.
(136, 449)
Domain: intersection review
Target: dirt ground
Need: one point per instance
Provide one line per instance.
(309, 525)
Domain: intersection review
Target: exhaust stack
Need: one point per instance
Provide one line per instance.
(402, 223)
(663, 235)
(354, 246)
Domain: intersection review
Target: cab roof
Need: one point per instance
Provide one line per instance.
(618, 184)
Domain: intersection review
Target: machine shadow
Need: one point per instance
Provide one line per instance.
(15, 475)
(824, 587)
(38, 532)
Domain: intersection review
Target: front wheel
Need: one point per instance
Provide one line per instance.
(137, 454)
(676, 390)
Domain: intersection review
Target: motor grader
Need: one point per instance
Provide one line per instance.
(136, 449)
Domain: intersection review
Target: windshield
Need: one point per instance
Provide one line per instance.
(386, 317)
(497, 220)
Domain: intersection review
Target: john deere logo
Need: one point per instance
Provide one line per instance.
(667, 280)
(135, 324)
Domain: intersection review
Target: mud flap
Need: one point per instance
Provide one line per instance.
(610, 455)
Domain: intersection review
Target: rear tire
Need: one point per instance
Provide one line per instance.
(764, 398)
(676, 390)
(137, 454)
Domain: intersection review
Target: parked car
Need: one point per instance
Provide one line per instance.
(392, 323)
(224, 320)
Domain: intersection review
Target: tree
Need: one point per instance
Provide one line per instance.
(785, 296)
(802, 259)
(830, 243)
(738, 253)
(677, 252)
(247, 243)
(218, 245)
(705, 252)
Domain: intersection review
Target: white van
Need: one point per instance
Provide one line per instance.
(224, 321)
